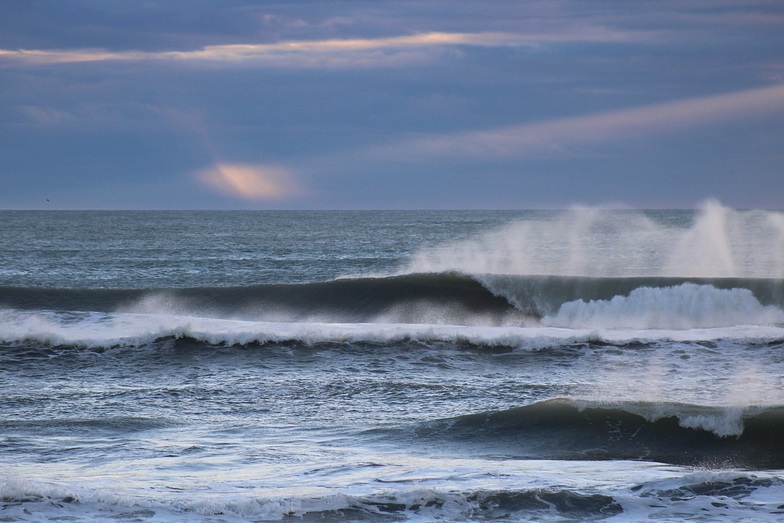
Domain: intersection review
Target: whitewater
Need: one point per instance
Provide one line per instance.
(589, 364)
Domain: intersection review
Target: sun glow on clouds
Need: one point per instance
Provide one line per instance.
(250, 181)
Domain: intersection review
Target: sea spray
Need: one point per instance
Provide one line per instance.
(727, 243)
(717, 242)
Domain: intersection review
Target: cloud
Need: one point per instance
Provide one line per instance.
(554, 135)
(312, 53)
(45, 116)
(250, 181)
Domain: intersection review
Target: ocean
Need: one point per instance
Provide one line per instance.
(579, 365)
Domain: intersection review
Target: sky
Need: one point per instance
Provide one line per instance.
(418, 104)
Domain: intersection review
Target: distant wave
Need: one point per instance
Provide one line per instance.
(746, 437)
(80, 425)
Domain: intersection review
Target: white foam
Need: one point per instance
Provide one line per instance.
(675, 498)
(102, 330)
(427, 488)
(686, 306)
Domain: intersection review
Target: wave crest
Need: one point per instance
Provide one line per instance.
(673, 433)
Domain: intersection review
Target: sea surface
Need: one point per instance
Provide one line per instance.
(580, 365)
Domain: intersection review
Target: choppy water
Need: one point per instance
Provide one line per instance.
(392, 366)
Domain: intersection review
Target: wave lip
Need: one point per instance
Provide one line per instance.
(680, 434)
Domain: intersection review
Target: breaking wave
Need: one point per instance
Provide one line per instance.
(746, 437)
(686, 306)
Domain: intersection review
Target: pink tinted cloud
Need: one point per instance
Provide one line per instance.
(553, 135)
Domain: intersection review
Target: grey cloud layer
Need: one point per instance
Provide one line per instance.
(390, 104)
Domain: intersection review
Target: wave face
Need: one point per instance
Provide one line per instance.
(681, 434)
(416, 298)
(450, 298)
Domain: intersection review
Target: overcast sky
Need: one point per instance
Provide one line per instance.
(238, 104)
